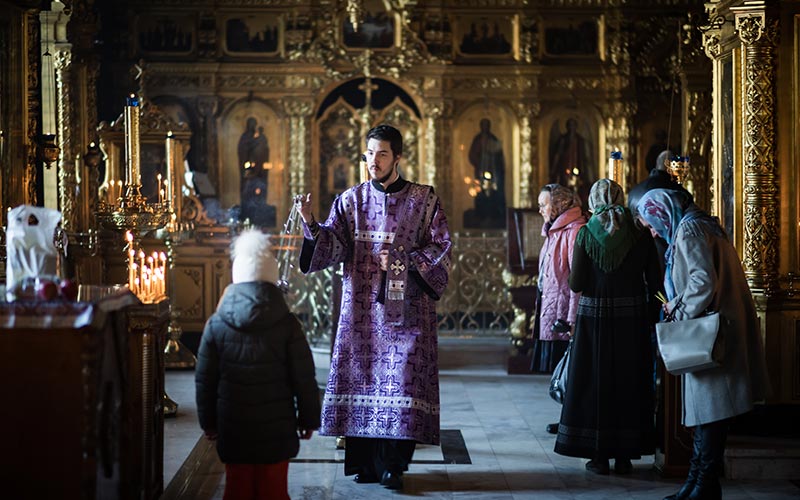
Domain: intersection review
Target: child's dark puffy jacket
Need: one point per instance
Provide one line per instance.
(253, 364)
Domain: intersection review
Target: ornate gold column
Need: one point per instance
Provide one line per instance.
(299, 112)
(438, 145)
(81, 31)
(758, 32)
(32, 110)
(528, 140)
(66, 163)
(433, 114)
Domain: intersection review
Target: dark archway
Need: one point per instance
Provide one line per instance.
(381, 97)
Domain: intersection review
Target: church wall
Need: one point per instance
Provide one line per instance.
(526, 67)
(532, 64)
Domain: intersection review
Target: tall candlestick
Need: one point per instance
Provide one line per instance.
(170, 171)
(615, 166)
(132, 170)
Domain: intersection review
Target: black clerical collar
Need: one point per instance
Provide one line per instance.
(394, 187)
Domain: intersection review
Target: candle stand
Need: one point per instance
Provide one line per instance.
(129, 211)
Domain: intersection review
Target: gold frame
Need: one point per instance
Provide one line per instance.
(562, 21)
(139, 48)
(466, 126)
(222, 27)
(461, 23)
(591, 127)
(228, 130)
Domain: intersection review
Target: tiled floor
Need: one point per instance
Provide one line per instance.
(508, 454)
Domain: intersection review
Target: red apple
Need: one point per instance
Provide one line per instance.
(46, 290)
(68, 290)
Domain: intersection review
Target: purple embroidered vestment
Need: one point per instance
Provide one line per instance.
(384, 379)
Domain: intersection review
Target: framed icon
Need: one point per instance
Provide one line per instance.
(253, 34)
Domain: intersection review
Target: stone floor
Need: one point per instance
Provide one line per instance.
(494, 447)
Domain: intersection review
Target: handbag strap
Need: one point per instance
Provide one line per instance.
(671, 316)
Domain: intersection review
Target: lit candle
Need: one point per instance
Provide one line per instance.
(131, 266)
(160, 190)
(163, 258)
(131, 253)
(132, 172)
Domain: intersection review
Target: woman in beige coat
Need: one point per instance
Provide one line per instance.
(703, 272)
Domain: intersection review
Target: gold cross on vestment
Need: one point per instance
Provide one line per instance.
(398, 267)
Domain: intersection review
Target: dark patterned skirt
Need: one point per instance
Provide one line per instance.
(608, 411)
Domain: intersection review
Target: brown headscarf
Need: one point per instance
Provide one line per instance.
(561, 199)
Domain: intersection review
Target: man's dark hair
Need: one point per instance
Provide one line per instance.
(388, 133)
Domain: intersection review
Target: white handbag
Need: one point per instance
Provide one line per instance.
(690, 345)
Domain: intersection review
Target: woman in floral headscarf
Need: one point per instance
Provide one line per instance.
(556, 303)
(608, 410)
(563, 217)
(703, 271)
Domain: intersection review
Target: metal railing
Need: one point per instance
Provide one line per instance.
(476, 303)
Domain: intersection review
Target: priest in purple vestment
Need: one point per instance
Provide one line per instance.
(392, 236)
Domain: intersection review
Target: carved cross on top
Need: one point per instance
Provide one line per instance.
(368, 87)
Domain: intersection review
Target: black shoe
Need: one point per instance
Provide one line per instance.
(365, 478)
(706, 490)
(392, 480)
(684, 492)
(623, 466)
(552, 428)
(598, 466)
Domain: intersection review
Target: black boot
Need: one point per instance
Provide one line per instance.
(694, 467)
(712, 455)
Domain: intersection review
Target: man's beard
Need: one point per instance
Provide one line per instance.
(386, 177)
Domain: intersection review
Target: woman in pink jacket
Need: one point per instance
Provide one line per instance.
(557, 305)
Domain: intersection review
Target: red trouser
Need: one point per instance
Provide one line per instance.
(256, 481)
